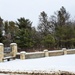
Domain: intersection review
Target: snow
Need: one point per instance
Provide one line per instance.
(47, 64)
(23, 52)
(13, 44)
(1, 44)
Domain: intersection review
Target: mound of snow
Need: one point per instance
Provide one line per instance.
(47, 64)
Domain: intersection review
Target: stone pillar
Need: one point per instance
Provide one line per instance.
(1, 52)
(46, 53)
(22, 55)
(64, 50)
(14, 49)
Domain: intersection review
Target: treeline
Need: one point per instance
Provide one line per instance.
(54, 32)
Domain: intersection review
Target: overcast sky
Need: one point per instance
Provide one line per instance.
(30, 9)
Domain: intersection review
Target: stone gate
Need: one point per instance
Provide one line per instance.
(8, 51)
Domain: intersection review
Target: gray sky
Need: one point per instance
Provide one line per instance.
(30, 9)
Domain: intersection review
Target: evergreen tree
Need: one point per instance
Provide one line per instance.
(1, 30)
(23, 37)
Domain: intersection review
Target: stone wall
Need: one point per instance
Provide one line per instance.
(24, 55)
(71, 51)
(44, 53)
(35, 55)
(1, 52)
(56, 53)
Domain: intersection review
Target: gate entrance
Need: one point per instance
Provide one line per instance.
(8, 52)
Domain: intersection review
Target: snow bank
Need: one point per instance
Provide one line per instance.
(40, 65)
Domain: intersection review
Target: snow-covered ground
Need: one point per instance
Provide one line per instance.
(46, 64)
